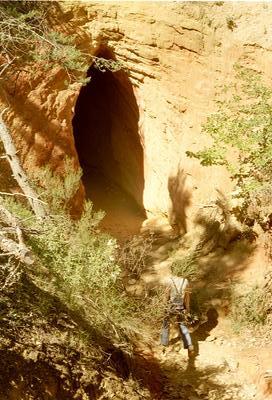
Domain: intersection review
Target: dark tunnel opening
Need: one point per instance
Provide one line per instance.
(107, 141)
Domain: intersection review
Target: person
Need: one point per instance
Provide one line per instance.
(178, 308)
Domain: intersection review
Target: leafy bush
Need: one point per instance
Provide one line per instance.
(59, 48)
(57, 190)
(242, 134)
(81, 261)
(18, 209)
(250, 308)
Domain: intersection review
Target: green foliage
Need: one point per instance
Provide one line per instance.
(77, 255)
(18, 209)
(84, 271)
(82, 261)
(20, 29)
(27, 35)
(83, 268)
(56, 190)
(187, 266)
(60, 48)
(104, 64)
(250, 308)
(210, 156)
(242, 134)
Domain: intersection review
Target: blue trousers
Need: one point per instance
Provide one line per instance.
(185, 334)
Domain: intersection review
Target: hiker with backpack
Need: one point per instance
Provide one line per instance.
(178, 308)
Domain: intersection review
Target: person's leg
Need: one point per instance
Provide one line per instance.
(186, 337)
(165, 332)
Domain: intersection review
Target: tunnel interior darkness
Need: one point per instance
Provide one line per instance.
(106, 133)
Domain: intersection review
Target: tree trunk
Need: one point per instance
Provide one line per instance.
(18, 172)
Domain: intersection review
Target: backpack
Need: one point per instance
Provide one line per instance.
(177, 302)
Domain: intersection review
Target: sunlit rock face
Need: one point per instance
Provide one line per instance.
(176, 56)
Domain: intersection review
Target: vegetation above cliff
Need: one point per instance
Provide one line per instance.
(26, 35)
(29, 33)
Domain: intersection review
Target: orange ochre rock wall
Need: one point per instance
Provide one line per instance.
(177, 55)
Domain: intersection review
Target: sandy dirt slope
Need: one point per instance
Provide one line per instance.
(226, 365)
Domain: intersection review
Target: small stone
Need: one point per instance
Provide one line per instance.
(211, 338)
(232, 365)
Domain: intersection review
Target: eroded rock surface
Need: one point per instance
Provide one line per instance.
(176, 55)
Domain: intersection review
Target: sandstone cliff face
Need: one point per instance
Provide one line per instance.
(176, 55)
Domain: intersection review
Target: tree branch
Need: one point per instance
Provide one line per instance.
(20, 251)
(17, 170)
(12, 221)
(22, 194)
(4, 66)
(12, 225)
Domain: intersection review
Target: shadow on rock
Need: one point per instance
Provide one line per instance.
(180, 200)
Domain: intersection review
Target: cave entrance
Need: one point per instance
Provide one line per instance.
(108, 144)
